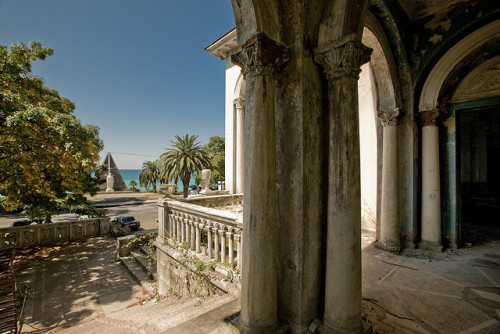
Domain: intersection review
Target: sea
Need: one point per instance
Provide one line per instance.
(133, 174)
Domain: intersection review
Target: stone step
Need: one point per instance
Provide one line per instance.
(143, 261)
(146, 250)
(210, 320)
(140, 275)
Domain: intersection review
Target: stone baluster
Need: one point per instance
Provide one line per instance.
(188, 231)
(238, 248)
(183, 230)
(216, 245)
(389, 215)
(222, 245)
(431, 190)
(179, 228)
(210, 246)
(162, 222)
(193, 234)
(230, 248)
(260, 59)
(341, 61)
(240, 143)
(199, 228)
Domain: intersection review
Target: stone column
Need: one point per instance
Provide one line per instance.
(341, 61)
(240, 143)
(389, 215)
(260, 58)
(230, 247)
(431, 190)
(216, 246)
(210, 244)
(183, 230)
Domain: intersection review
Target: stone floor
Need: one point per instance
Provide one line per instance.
(82, 289)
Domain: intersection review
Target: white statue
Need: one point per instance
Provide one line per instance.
(110, 182)
(206, 175)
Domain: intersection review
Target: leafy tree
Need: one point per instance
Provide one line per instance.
(183, 159)
(216, 154)
(150, 174)
(47, 157)
(133, 184)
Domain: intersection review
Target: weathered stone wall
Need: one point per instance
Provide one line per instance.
(215, 201)
(184, 275)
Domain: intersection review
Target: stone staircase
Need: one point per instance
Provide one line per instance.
(142, 265)
(8, 307)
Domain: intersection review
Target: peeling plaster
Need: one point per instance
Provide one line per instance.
(436, 38)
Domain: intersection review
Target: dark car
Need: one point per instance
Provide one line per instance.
(127, 221)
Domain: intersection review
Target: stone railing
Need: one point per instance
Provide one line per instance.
(215, 234)
(52, 233)
(215, 201)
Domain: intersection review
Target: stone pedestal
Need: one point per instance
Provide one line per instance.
(341, 61)
(389, 220)
(260, 58)
(431, 190)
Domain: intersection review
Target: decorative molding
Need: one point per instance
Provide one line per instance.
(390, 117)
(343, 57)
(482, 82)
(260, 55)
(428, 117)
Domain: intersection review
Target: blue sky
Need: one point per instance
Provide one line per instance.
(138, 69)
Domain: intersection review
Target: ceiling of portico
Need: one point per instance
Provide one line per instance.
(417, 9)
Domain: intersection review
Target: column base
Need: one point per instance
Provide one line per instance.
(328, 328)
(273, 329)
(430, 245)
(393, 247)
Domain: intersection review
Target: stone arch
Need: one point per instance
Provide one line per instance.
(433, 84)
(252, 17)
(240, 87)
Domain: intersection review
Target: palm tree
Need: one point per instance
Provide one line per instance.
(150, 174)
(180, 161)
(133, 184)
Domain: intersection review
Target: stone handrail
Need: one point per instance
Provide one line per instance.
(52, 233)
(207, 231)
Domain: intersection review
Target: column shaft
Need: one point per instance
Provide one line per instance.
(240, 144)
(342, 61)
(230, 247)
(216, 246)
(260, 58)
(222, 246)
(431, 190)
(389, 215)
(198, 239)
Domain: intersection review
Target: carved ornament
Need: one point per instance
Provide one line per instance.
(260, 55)
(428, 117)
(482, 82)
(390, 117)
(239, 103)
(343, 57)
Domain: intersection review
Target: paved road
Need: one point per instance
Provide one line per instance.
(145, 213)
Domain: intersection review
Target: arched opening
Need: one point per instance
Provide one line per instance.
(464, 87)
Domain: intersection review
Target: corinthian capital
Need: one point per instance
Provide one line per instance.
(239, 103)
(343, 57)
(429, 117)
(260, 55)
(390, 117)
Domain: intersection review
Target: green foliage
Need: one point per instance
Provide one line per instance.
(133, 184)
(47, 157)
(183, 159)
(216, 154)
(150, 174)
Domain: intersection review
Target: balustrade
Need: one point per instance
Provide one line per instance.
(214, 233)
(52, 233)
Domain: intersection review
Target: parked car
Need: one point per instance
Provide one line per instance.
(127, 221)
